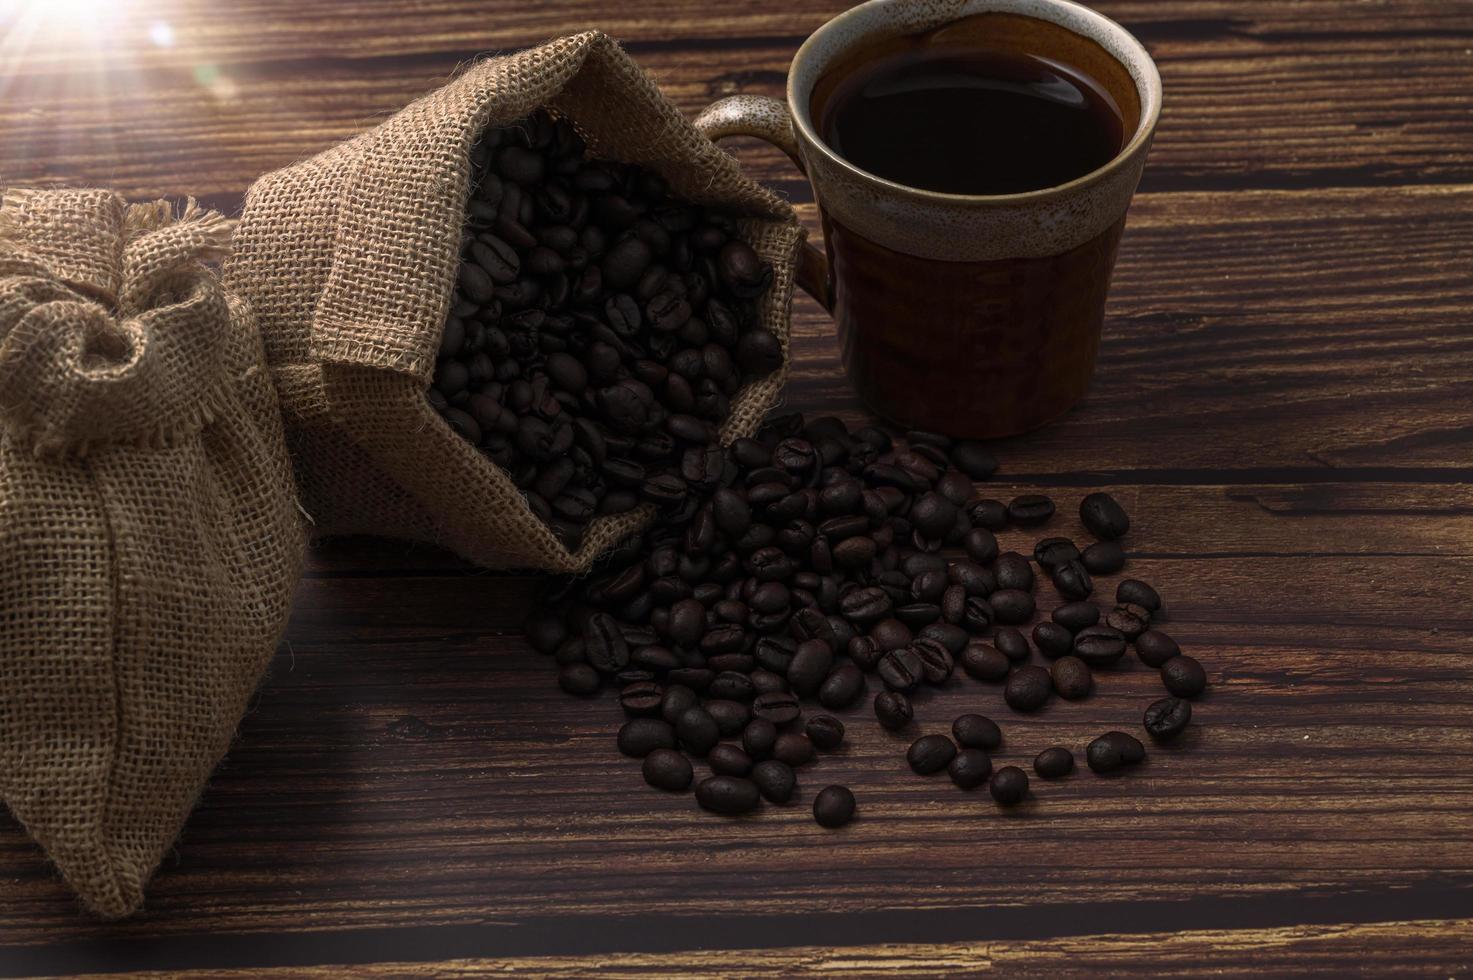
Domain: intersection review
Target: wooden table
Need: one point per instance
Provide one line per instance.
(1284, 403)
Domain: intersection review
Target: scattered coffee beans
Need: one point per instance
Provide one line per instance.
(833, 807)
(727, 795)
(1053, 763)
(668, 769)
(1103, 558)
(893, 710)
(1009, 786)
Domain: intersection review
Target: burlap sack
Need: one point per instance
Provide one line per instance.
(149, 533)
(349, 260)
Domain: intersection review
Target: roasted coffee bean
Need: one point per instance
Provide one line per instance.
(1129, 619)
(1054, 763)
(728, 760)
(989, 514)
(1075, 616)
(1013, 572)
(1072, 678)
(825, 732)
(917, 615)
(1072, 580)
(1011, 605)
(779, 707)
(641, 699)
(1113, 751)
(930, 753)
(1138, 592)
(865, 652)
(936, 660)
(1099, 646)
(957, 488)
(665, 768)
(1028, 688)
(731, 717)
(1105, 518)
(1103, 558)
(1030, 510)
(1051, 552)
(953, 605)
(843, 686)
(793, 748)
(677, 699)
(775, 780)
(893, 710)
(727, 795)
(977, 615)
(932, 515)
(974, 460)
(640, 736)
(1183, 676)
(606, 649)
(579, 680)
(1011, 642)
(980, 545)
(1155, 648)
(833, 807)
(1052, 639)
(901, 670)
(954, 638)
(975, 579)
(811, 664)
(985, 663)
(1009, 786)
(1166, 719)
(891, 634)
(697, 730)
(976, 732)
(866, 605)
(970, 768)
(730, 685)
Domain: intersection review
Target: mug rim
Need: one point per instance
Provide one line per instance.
(1148, 89)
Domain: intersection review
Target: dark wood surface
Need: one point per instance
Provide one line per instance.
(1284, 402)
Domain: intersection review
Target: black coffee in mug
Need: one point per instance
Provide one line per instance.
(941, 111)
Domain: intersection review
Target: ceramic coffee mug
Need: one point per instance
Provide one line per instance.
(976, 316)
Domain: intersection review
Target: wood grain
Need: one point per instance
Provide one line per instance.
(1284, 402)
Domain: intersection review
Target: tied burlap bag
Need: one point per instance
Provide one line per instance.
(150, 536)
(350, 258)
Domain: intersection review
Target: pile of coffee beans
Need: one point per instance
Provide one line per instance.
(816, 558)
(598, 331)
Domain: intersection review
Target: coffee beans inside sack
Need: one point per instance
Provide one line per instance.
(514, 319)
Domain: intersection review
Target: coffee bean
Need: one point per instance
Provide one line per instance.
(697, 730)
(893, 710)
(1113, 751)
(936, 660)
(1072, 580)
(833, 807)
(976, 732)
(793, 748)
(1052, 552)
(1072, 678)
(667, 769)
(641, 699)
(1129, 619)
(1138, 592)
(1030, 510)
(1012, 606)
(1183, 676)
(727, 795)
(1011, 643)
(918, 614)
(1099, 646)
(1009, 786)
(1013, 572)
(1075, 616)
(825, 732)
(677, 699)
(1167, 718)
(1052, 639)
(731, 717)
(728, 760)
(1028, 688)
(970, 768)
(891, 634)
(606, 649)
(775, 780)
(843, 687)
(865, 606)
(1103, 558)
(640, 736)
(985, 663)
(1105, 518)
(579, 680)
(779, 707)
(930, 753)
(977, 614)
(973, 579)
(1155, 648)
(901, 670)
(954, 638)
(759, 738)
(980, 544)
(810, 666)
(989, 514)
(731, 685)
(1054, 763)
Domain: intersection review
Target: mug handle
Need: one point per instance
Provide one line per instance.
(767, 119)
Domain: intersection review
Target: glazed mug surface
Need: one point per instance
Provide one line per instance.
(974, 315)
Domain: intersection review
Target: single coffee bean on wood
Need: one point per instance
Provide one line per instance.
(930, 753)
(1138, 592)
(1009, 786)
(1030, 510)
(1028, 688)
(1054, 762)
(1104, 516)
(1167, 718)
(825, 732)
(893, 710)
(833, 807)
(1113, 751)
(775, 780)
(667, 769)
(970, 768)
(1155, 648)
(1072, 678)
(1183, 676)
(727, 795)
(975, 731)
(1103, 558)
